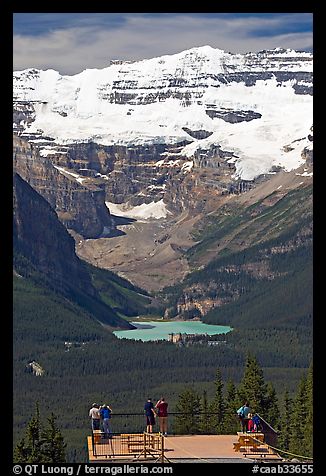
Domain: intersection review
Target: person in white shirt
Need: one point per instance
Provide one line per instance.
(94, 413)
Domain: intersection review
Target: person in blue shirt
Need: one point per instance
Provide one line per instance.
(256, 421)
(105, 412)
(243, 413)
(150, 415)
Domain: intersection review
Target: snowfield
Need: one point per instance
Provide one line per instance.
(150, 101)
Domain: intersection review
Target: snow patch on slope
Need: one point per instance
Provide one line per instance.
(63, 171)
(145, 211)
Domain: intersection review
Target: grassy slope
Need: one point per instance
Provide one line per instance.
(118, 293)
(235, 227)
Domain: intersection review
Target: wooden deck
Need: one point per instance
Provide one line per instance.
(200, 448)
(203, 448)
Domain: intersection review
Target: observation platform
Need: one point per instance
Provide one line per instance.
(153, 447)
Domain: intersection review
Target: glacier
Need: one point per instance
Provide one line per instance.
(258, 106)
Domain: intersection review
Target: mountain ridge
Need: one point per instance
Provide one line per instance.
(157, 100)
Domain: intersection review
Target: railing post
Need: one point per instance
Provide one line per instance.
(162, 448)
(145, 444)
(93, 444)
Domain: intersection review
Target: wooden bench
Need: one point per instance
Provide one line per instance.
(263, 455)
(132, 445)
(257, 436)
(246, 447)
(253, 446)
(248, 441)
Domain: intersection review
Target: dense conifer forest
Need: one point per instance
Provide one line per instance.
(96, 366)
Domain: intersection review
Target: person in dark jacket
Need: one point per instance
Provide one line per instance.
(162, 413)
(150, 415)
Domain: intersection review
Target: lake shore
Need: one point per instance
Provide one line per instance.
(158, 330)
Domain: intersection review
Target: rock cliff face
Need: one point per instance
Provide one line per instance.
(79, 207)
(44, 250)
(200, 187)
(39, 235)
(78, 180)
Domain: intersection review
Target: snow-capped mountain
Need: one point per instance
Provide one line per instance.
(257, 106)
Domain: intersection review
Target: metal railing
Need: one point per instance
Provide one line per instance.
(128, 446)
(271, 435)
(183, 423)
(190, 423)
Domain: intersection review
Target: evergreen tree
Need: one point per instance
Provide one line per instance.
(20, 452)
(308, 432)
(285, 423)
(217, 406)
(271, 409)
(188, 407)
(204, 419)
(299, 414)
(38, 445)
(252, 388)
(230, 421)
(54, 446)
(33, 448)
(300, 428)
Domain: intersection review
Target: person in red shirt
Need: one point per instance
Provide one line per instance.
(162, 413)
(250, 424)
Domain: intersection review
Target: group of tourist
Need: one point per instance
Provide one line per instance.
(250, 422)
(101, 415)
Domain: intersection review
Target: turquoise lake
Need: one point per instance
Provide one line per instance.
(155, 330)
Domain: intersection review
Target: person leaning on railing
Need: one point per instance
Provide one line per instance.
(94, 413)
(105, 412)
(150, 415)
(162, 413)
(243, 413)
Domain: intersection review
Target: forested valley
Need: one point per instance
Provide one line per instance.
(99, 367)
(65, 327)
